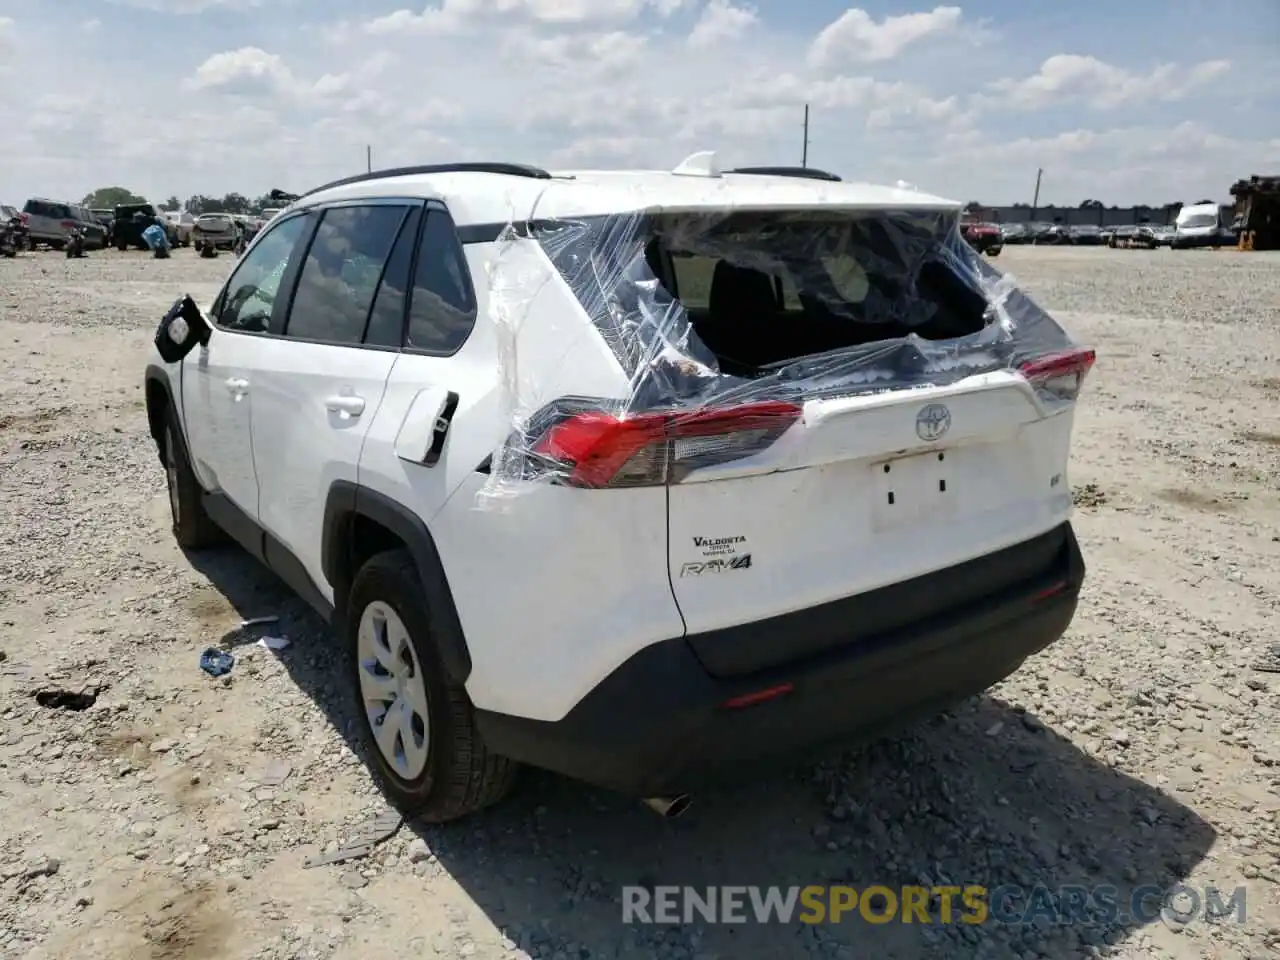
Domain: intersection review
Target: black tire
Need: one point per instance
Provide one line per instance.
(122, 247)
(461, 776)
(192, 527)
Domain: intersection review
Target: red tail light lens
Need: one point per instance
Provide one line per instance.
(758, 696)
(596, 449)
(1058, 377)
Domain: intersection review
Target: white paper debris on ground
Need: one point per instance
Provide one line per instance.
(274, 643)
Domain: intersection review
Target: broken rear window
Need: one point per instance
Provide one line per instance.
(876, 299)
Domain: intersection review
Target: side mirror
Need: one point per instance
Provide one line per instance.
(181, 329)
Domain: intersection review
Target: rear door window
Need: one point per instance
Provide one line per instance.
(442, 306)
(341, 273)
(386, 319)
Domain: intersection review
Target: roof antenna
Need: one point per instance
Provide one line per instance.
(702, 164)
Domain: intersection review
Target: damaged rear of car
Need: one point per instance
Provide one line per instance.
(862, 431)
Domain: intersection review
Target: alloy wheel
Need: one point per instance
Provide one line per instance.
(392, 690)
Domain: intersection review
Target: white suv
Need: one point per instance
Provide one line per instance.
(643, 477)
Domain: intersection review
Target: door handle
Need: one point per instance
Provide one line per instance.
(238, 385)
(345, 404)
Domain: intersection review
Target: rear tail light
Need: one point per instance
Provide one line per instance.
(595, 448)
(1058, 377)
(25, 218)
(68, 224)
(757, 696)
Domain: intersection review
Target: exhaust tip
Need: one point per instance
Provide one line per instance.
(668, 807)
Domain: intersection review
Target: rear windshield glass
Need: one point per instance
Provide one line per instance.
(43, 208)
(760, 289)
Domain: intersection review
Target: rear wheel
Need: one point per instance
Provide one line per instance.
(192, 527)
(418, 726)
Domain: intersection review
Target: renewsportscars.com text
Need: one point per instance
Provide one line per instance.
(973, 904)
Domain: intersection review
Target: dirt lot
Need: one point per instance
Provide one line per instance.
(171, 818)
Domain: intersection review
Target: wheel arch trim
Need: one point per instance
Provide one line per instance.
(345, 503)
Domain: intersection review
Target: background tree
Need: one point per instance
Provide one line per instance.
(104, 198)
(235, 203)
(173, 203)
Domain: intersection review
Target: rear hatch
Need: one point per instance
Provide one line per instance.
(48, 219)
(836, 402)
(215, 226)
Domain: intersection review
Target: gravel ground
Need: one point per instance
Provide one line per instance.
(172, 817)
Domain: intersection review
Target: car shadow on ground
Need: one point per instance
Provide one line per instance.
(985, 795)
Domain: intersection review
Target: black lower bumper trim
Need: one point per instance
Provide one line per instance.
(658, 725)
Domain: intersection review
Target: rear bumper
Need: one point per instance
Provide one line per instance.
(659, 725)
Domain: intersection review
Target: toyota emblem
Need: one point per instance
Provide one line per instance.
(932, 422)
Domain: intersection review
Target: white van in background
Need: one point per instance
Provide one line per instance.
(1200, 225)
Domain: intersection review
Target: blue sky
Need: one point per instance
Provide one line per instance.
(1123, 101)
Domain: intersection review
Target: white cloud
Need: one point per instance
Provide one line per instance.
(1088, 79)
(721, 22)
(454, 15)
(91, 25)
(249, 71)
(189, 7)
(583, 52)
(614, 82)
(856, 38)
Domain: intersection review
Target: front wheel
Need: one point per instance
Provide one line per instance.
(418, 726)
(192, 527)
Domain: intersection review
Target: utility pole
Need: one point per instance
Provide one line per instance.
(1035, 201)
(804, 154)
(368, 158)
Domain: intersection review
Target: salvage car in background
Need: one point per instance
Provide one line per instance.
(1200, 225)
(220, 230)
(107, 218)
(131, 219)
(1086, 234)
(1134, 236)
(1014, 233)
(1049, 233)
(52, 222)
(983, 237)
(183, 223)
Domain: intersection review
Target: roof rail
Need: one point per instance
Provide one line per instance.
(501, 169)
(804, 173)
